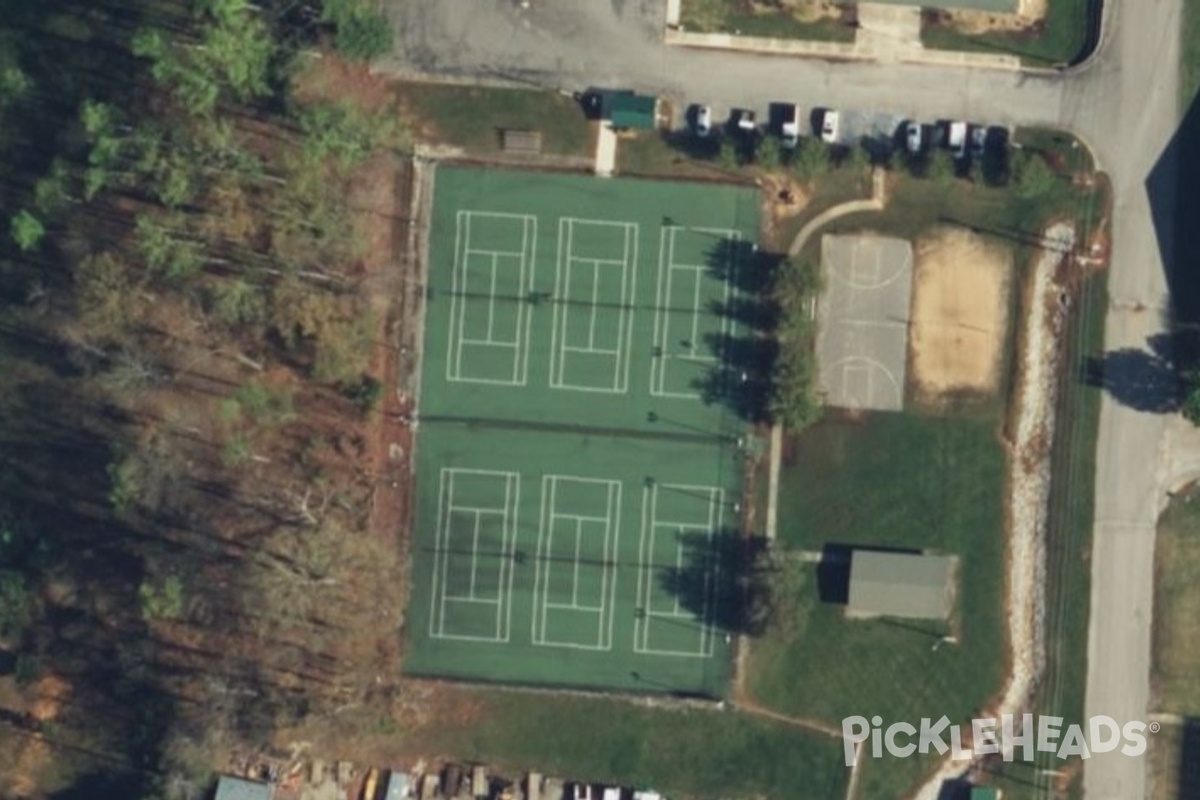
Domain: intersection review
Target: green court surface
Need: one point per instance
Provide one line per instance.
(577, 476)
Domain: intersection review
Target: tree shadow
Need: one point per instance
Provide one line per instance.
(745, 352)
(1189, 760)
(1173, 190)
(723, 579)
(833, 570)
(1146, 380)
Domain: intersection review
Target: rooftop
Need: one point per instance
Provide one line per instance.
(900, 585)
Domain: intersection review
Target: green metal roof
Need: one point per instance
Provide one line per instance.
(629, 110)
(984, 793)
(900, 584)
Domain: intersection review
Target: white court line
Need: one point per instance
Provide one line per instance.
(706, 644)
(458, 305)
(446, 511)
(565, 267)
(662, 334)
(591, 350)
(575, 607)
(546, 535)
(487, 343)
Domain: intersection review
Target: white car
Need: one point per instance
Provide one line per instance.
(744, 120)
(829, 126)
(978, 140)
(914, 137)
(956, 139)
(703, 121)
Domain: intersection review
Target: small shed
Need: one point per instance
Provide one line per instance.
(985, 793)
(231, 788)
(910, 585)
(634, 111)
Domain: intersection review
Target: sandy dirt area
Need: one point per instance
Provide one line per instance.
(1029, 13)
(959, 313)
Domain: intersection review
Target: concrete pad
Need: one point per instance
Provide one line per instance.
(888, 32)
(863, 316)
(606, 150)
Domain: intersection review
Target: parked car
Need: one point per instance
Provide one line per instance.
(829, 126)
(956, 139)
(914, 137)
(744, 120)
(789, 126)
(703, 121)
(978, 140)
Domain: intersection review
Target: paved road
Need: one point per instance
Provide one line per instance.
(1123, 104)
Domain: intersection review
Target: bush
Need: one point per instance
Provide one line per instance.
(26, 230)
(362, 33)
(811, 160)
(161, 601)
(792, 402)
(16, 603)
(367, 393)
(941, 169)
(1033, 176)
(364, 37)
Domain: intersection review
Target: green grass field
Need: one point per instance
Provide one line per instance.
(1189, 67)
(471, 117)
(687, 753)
(889, 480)
(1177, 607)
(578, 472)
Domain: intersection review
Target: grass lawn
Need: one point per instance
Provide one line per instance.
(1173, 775)
(1176, 659)
(678, 156)
(915, 481)
(682, 753)
(1189, 67)
(918, 203)
(472, 117)
(1059, 41)
(889, 480)
(1061, 149)
(730, 16)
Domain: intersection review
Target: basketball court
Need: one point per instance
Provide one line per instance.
(863, 317)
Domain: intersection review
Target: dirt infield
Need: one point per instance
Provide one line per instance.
(959, 313)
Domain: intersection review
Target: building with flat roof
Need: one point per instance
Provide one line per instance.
(910, 585)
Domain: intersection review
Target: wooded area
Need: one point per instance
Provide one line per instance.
(196, 298)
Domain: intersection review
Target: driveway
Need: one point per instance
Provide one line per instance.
(1123, 104)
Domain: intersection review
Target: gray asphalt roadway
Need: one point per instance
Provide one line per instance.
(1123, 104)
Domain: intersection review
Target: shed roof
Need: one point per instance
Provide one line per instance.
(230, 788)
(900, 585)
(629, 110)
(984, 793)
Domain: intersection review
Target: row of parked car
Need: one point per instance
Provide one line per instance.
(962, 139)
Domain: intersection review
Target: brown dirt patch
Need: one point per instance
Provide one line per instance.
(803, 10)
(1029, 13)
(959, 313)
(783, 198)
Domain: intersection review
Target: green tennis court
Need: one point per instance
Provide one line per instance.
(574, 485)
